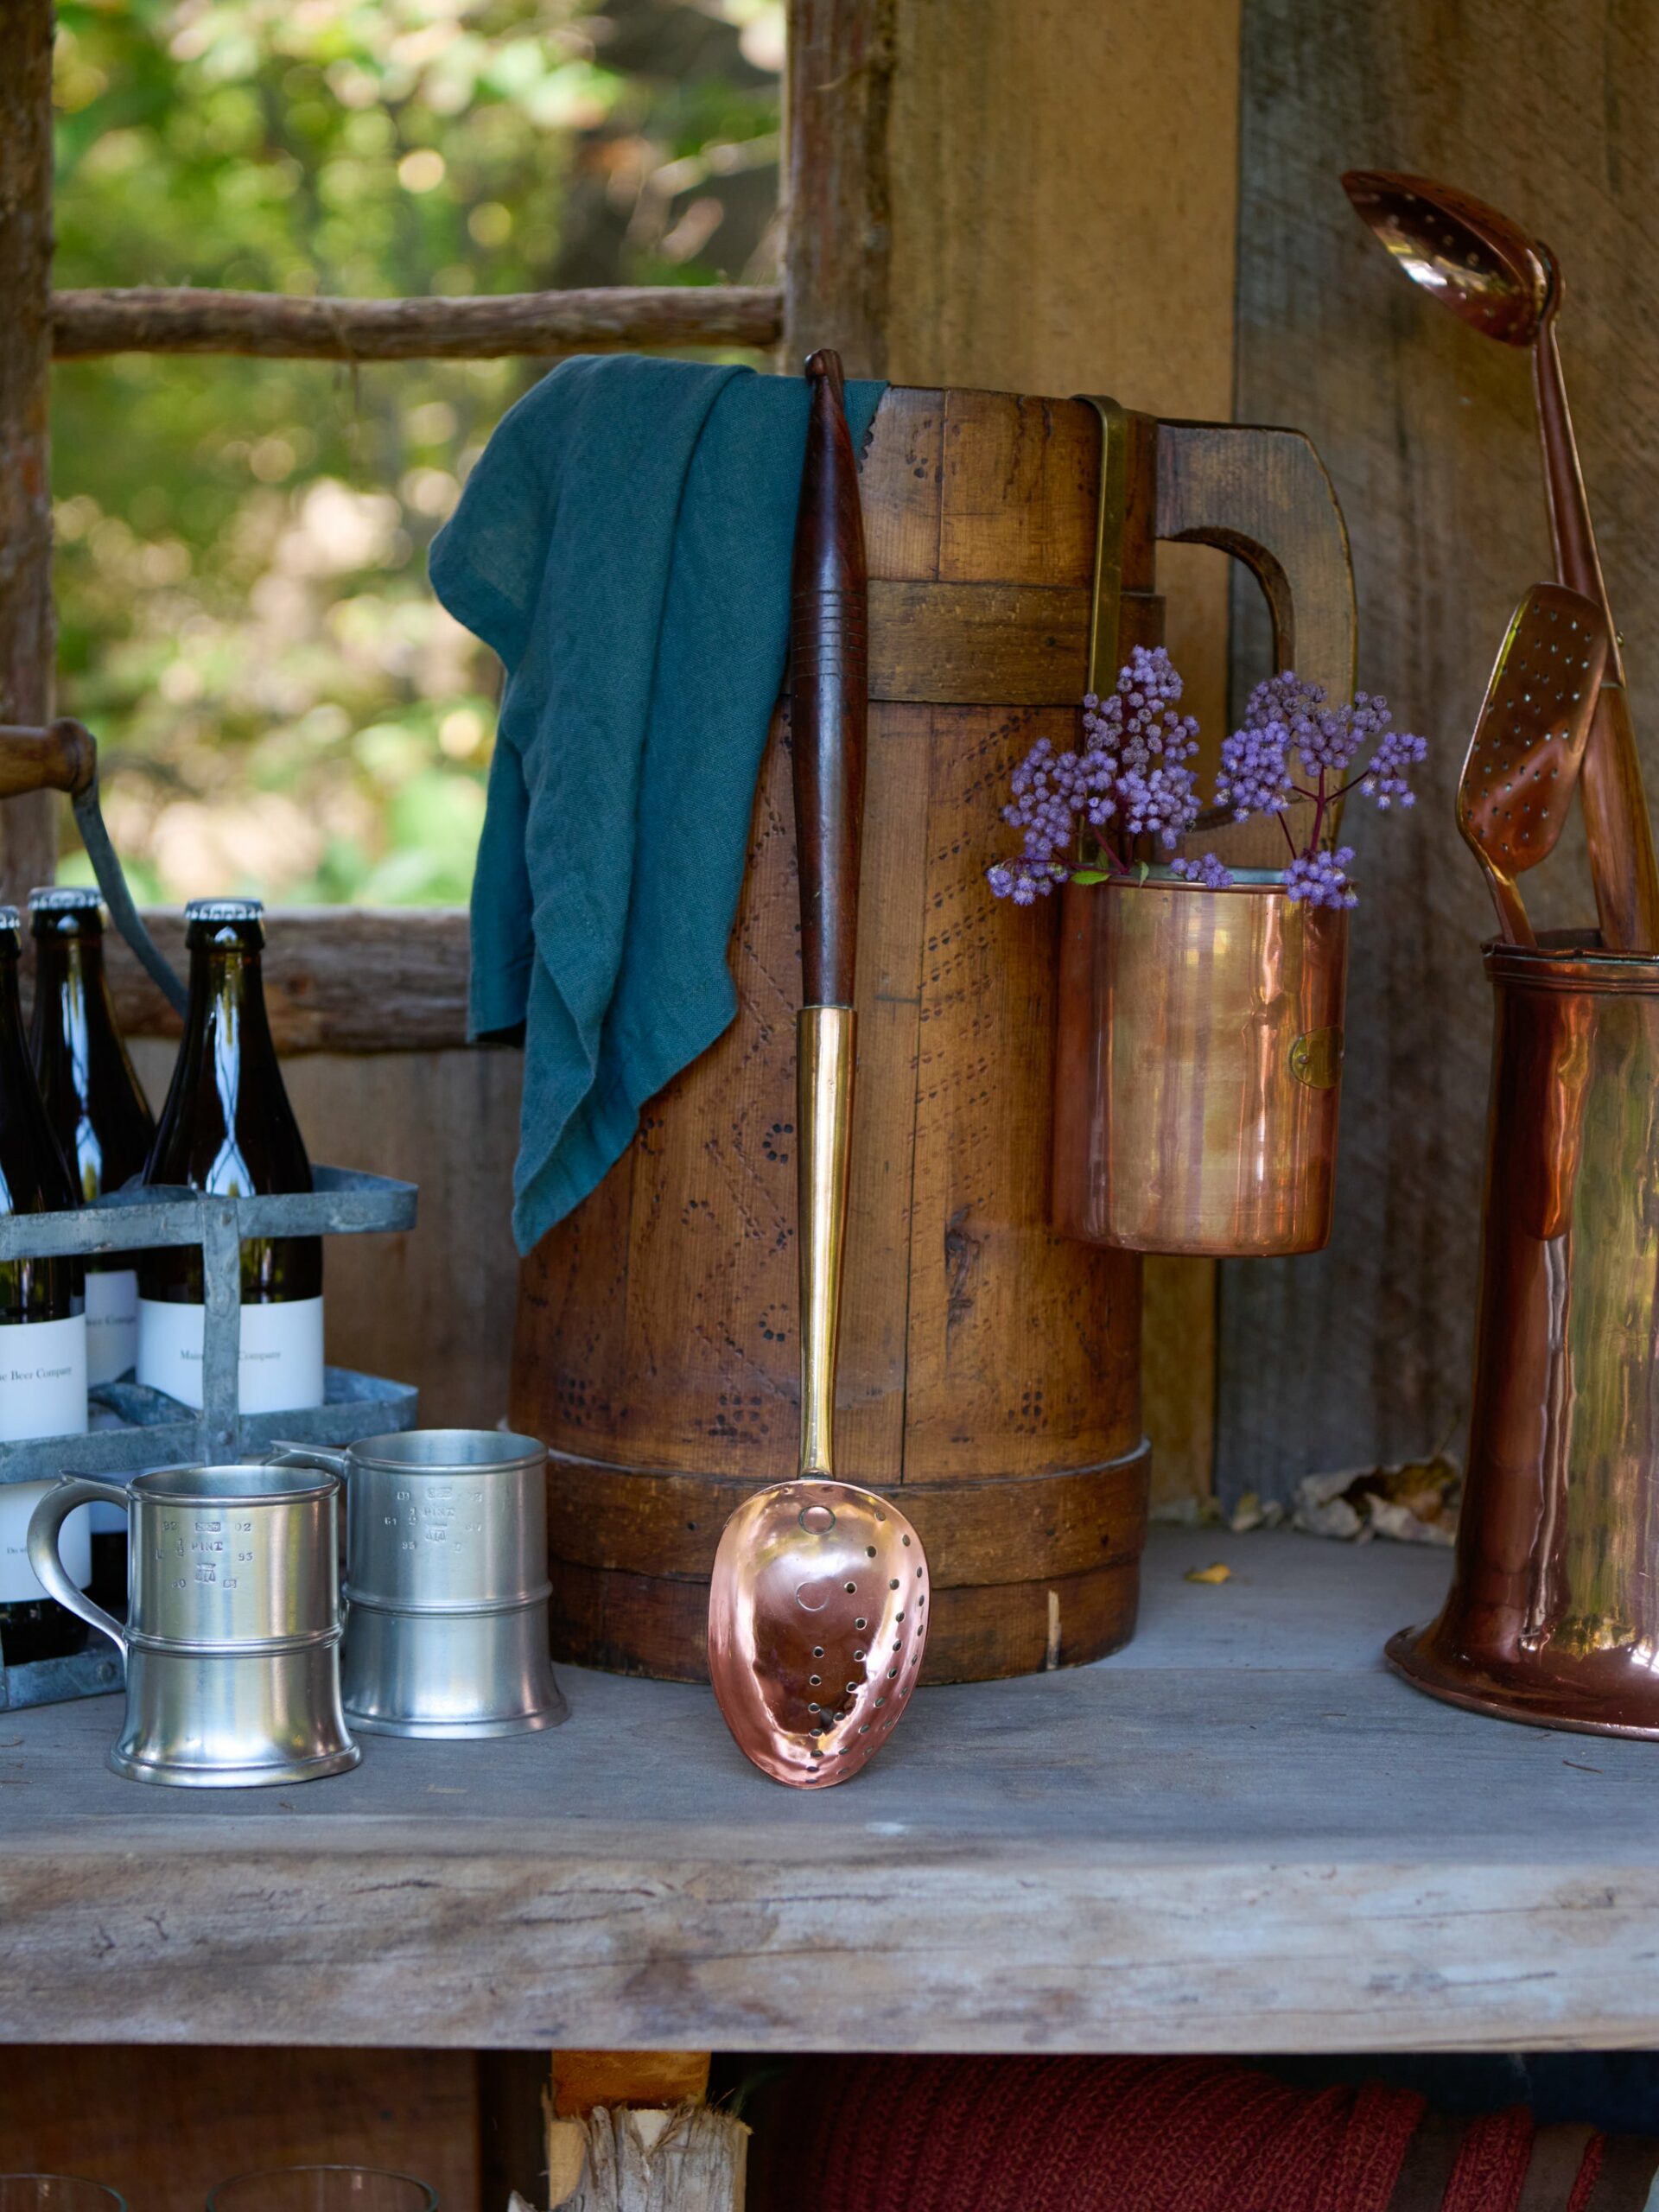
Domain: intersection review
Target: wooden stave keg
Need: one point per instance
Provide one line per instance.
(990, 1369)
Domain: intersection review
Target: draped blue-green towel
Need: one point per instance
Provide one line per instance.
(624, 546)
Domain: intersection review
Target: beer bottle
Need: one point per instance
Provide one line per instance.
(42, 1337)
(227, 1128)
(104, 1129)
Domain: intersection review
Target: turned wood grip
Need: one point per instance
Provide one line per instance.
(829, 690)
(61, 758)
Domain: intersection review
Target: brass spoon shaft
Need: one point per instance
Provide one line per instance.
(823, 1125)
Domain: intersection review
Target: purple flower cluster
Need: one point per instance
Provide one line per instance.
(1319, 878)
(1080, 812)
(1209, 871)
(1131, 778)
(1138, 747)
(1397, 754)
(1048, 789)
(1255, 775)
(1285, 714)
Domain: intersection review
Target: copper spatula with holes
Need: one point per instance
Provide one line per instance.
(1524, 758)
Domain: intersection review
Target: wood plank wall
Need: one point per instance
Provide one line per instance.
(1364, 1352)
(1039, 199)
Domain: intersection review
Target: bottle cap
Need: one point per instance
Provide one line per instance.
(8, 918)
(224, 910)
(65, 898)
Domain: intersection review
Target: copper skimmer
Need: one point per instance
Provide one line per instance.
(1524, 757)
(818, 1614)
(1507, 286)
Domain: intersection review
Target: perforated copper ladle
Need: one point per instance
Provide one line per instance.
(1524, 757)
(817, 1614)
(1507, 286)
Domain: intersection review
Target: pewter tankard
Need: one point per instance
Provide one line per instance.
(446, 1582)
(233, 1626)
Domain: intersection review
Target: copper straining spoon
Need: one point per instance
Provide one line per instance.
(1524, 757)
(1507, 286)
(818, 1614)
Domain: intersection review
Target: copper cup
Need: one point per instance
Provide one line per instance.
(1554, 1611)
(1198, 1069)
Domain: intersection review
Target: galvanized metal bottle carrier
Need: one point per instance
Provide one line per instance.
(156, 1431)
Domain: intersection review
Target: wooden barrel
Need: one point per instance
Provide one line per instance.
(990, 1369)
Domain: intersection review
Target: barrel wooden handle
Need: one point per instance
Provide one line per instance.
(61, 758)
(1263, 496)
(829, 690)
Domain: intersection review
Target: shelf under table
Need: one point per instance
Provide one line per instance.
(1240, 1834)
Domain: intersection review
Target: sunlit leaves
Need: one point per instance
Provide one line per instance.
(243, 607)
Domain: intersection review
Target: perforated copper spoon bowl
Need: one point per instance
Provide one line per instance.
(1524, 758)
(821, 1593)
(818, 1612)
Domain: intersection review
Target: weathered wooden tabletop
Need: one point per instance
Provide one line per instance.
(1241, 1834)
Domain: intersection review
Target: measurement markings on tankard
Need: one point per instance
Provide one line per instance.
(232, 1635)
(447, 1630)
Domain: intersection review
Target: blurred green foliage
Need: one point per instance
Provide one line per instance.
(244, 616)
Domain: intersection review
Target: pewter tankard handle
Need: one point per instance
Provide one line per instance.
(47, 1518)
(308, 1455)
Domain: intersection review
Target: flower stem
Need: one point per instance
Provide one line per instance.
(1320, 804)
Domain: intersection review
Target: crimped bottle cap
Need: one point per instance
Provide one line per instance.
(224, 910)
(65, 898)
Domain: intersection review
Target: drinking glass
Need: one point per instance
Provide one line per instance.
(56, 2193)
(319, 2189)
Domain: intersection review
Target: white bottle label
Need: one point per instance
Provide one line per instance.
(281, 1366)
(111, 1324)
(19, 1584)
(43, 1379)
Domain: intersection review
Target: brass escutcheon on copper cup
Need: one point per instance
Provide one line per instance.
(1553, 1611)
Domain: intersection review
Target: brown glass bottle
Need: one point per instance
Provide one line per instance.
(43, 1335)
(105, 1129)
(227, 1127)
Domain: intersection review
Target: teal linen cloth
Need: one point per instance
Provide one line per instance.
(624, 546)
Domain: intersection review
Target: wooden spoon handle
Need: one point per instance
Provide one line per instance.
(829, 690)
(60, 757)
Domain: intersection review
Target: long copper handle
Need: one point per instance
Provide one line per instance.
(829, 688)
(1620, 836)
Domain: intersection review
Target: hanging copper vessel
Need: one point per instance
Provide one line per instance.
(1198, 1065)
